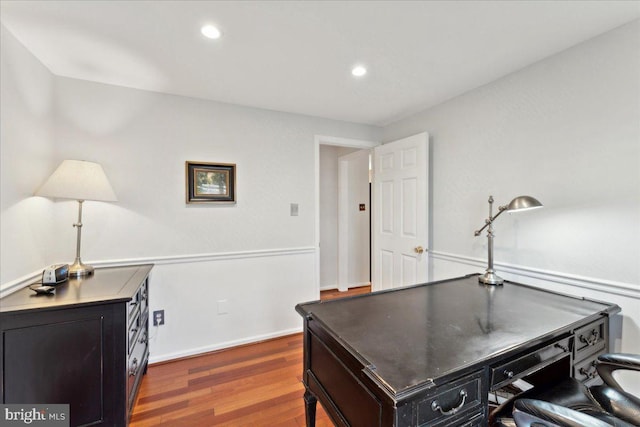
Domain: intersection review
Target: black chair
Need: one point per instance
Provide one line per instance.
(537, 413)
(611, 396)
(607, 403)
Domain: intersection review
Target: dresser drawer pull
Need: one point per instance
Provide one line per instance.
(144, 339)
(436, 407)
(133, 371)
(592, 339)
(508, 374)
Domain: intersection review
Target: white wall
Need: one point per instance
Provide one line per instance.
(567, 131)
(253, 255)
(26, 159)
(143, 140)
(228, 300)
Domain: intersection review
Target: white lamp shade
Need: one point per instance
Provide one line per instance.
(78, 180)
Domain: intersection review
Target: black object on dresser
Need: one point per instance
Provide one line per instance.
(85, 345)
(428, 355)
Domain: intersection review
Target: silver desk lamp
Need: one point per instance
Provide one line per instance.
(78, 180)
(520, 203)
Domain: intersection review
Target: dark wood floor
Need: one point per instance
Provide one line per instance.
(253, 385)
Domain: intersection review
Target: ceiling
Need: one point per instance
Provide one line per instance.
(296, 56)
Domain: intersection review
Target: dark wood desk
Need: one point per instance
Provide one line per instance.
(428, 355)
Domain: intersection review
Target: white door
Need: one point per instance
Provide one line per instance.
(400, 213)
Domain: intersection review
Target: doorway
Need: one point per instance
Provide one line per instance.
(328, 272)
(354, 220)
(400, 193)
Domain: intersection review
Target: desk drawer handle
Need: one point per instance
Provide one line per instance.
(593, 338)
(436, 407)
(591, 372)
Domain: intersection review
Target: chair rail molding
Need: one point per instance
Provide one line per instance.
(27, 279)
(600, 285)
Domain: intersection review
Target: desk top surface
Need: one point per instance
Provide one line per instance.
(411, 336)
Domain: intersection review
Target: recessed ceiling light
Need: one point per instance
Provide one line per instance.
(359, 71)
(210, 32)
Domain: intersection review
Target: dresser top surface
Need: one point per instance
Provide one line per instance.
(416, 335)
(110, 284)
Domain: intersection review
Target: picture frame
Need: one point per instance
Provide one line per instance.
(210, 182)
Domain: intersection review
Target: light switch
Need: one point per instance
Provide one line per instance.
(294, 209)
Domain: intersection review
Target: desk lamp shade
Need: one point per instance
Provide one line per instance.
(78, 180)
(519, 204)
(523, 203)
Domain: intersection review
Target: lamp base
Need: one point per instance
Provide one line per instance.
(78, 269)
(490, 278)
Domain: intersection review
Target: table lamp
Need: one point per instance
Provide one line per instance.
(519, 204)
(78, 180)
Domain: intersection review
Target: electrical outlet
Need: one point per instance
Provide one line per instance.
(158, 317)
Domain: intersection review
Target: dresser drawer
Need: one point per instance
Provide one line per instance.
(590, 339)
(134, 328)
(452, 403)
(139, 303)
(144, 296)
(136, 364)
(505, 373)
(133, 307)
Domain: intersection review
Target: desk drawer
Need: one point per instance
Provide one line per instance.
(590, 339)
(452, 403)
(330, 376)
(585, 371)
(529, 363)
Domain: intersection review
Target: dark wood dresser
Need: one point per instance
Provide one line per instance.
(85, 345)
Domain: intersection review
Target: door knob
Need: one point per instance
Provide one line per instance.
(418, 249)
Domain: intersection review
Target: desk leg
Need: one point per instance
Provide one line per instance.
(310, 408)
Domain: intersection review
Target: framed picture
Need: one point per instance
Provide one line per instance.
(210, 182)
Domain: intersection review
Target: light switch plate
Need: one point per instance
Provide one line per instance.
(294, 209)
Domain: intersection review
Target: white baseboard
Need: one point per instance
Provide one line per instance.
(220, 346)
(333, 287)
